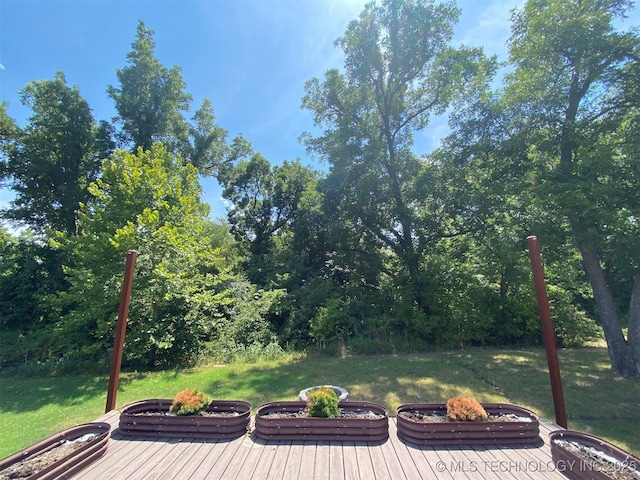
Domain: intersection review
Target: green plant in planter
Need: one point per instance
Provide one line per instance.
(466, 410)
(323, 402)
(189, 402)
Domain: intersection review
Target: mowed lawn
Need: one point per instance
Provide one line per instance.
(597, 400)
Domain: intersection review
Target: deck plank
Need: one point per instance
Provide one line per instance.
(218, 460)
(269, 450)
(128, 455)
(380, 469)
(475, 462)
(190, 462)
(446, 463)
(399, 459)
(279, 463)
(249, 457)
(350, 460)
(293, 468)
(322, 461)
(365, 464)
(308, 464)
(427, 460)
(336, 461)
(173, 461)
(96, 469)
(130, 469)
(246, 459)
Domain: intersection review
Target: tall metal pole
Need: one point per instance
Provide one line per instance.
(547, 331)
(118, 344)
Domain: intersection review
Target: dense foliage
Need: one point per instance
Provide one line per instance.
(465, 409)
(323, 402)
(189, 402)
(386, 249)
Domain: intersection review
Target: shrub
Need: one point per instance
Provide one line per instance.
(465, 410)
(332, 323)
(189, 402)
(323, 402)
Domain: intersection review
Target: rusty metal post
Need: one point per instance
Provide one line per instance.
(118, 344)
(547, 331)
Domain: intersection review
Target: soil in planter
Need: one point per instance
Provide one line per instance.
(418, 417)
(33, 465)
(167, 413)
(369, 415)
(594, 459)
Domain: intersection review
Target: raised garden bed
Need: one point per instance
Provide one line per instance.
(583, 456)
(428, 424)
(60, 455)
(223, 419)
(358, 421)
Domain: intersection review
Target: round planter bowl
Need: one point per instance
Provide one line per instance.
(72, 463)
(343, 395)
(150, 418)
(578, 468)
(468, 433)
(360, 429)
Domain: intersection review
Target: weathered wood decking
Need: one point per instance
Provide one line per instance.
(251, 458)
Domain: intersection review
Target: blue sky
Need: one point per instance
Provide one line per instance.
(251, 58)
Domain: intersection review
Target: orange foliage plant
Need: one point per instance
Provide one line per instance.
(465, 410)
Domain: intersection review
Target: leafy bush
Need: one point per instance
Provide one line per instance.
(189, 402)
(332, 322)
(241, 331)
(465, 410)
(228, 351)
(361, 345)
(323, 402)
(572, 326)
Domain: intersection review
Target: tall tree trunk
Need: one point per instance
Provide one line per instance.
(633, 335)
(621, 351)
(624, 354)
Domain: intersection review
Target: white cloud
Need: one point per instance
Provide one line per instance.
(487, 24)
(325, 27)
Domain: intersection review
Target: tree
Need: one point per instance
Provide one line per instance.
(572, 100)
(50, 163)
(151, 101)
(150, 98)
(266, 199)
(148, 202)
(184, 285)
(399, 71)
(206, 148)
(9, 133)
(29, 271)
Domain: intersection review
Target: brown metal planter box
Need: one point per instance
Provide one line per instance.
(70, 464)
(313, 428)
(578, 468)
(134, 421)
(468, 433)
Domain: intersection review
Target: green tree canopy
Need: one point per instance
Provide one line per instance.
(571, 103)
(151, 101)
(399, 71)
(151, 98)
(50, 163)
(148, 202)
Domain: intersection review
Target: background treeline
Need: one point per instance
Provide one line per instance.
(382, 249)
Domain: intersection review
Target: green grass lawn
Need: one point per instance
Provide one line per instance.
(597, 400)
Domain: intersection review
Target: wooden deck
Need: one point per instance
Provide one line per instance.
(252, 458)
